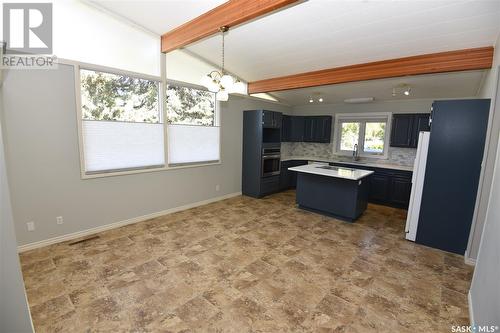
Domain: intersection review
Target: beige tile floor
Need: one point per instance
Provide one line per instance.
(247, 265)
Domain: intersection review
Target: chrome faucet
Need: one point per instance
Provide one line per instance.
(355, 153)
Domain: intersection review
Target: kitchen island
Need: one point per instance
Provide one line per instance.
(336, 191)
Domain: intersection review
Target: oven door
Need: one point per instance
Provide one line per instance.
(271, 165)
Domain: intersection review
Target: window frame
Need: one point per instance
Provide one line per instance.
(163, 113)
(362, 119)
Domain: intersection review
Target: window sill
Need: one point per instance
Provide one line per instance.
(146, 170)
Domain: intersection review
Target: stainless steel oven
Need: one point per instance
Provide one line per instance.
(271, 162)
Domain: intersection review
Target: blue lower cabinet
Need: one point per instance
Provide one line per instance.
(387, 186)
(288, 179)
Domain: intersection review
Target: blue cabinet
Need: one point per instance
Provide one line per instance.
(271, 119)
(307, 129)
(387, 186)
(405, 129)
(288, 179)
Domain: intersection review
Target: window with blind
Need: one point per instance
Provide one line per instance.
(193, 126)
(122, 125)
(366, 131)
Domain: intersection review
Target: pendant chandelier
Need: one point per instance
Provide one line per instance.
(219, 82)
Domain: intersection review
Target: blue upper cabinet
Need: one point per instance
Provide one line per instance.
(405, 129)
(307, 129)
(271, 119)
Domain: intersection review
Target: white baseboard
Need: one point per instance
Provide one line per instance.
(87, 232)
(468, 260)
(471, 310)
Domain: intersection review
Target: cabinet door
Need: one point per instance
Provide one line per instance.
(267, 119)
(285, 175)
(308, 129)
(322, 128)
(297, 129)
(400, 190)
(402, 130)
(286, 128)
(379, 187)
(277, 119)
(420, 123)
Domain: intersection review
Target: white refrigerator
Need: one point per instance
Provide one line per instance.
(417, 186)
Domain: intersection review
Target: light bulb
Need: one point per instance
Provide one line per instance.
(239, 87)
(205, 81)
(320, 100)
(311, 100)
(407, 92)
(222, 96)
(227, 81)
(213, 86)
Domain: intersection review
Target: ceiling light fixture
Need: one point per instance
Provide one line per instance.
(359, 100)
(320, 100)
(403, 88)
(311, 100)
(220, 82)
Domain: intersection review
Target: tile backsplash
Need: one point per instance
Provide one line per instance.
(400, 156)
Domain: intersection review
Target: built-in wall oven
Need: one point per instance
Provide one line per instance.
(271, 161)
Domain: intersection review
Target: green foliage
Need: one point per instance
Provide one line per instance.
(111, 97)
(350, 136)
(190, 106)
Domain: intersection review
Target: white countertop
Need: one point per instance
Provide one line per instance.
(337, 172)
(360, 163)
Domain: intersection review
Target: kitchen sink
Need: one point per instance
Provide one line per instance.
(329, 167)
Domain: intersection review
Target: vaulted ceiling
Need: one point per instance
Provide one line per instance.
(320, 34)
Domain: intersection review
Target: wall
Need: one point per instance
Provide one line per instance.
(484, 295)
(488, 90)
(14, 311)
(44, 171)
(402, 156)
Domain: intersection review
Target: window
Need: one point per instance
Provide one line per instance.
(367, 131)
(193, 125)
(121, 122)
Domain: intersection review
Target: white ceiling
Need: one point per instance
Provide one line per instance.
(158, 16)
(449, 85)
(320, 34)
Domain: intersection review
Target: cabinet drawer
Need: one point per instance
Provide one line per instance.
(269, 185)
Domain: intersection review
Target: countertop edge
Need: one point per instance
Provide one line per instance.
(366, 173)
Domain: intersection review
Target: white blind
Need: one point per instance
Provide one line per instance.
(192, 144)
(113, 145)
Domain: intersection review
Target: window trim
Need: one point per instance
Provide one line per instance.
(362, 118)
(163, 110)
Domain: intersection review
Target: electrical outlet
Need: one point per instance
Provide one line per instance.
(59, 220)
(217, 187)
(31, 226)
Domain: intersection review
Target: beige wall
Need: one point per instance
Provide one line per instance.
(488, 90)
(44, 170)
(14, 311)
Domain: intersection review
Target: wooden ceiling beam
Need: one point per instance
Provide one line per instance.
(228, 14)
(452, 61)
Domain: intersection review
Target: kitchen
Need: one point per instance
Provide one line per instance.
(339, 162)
